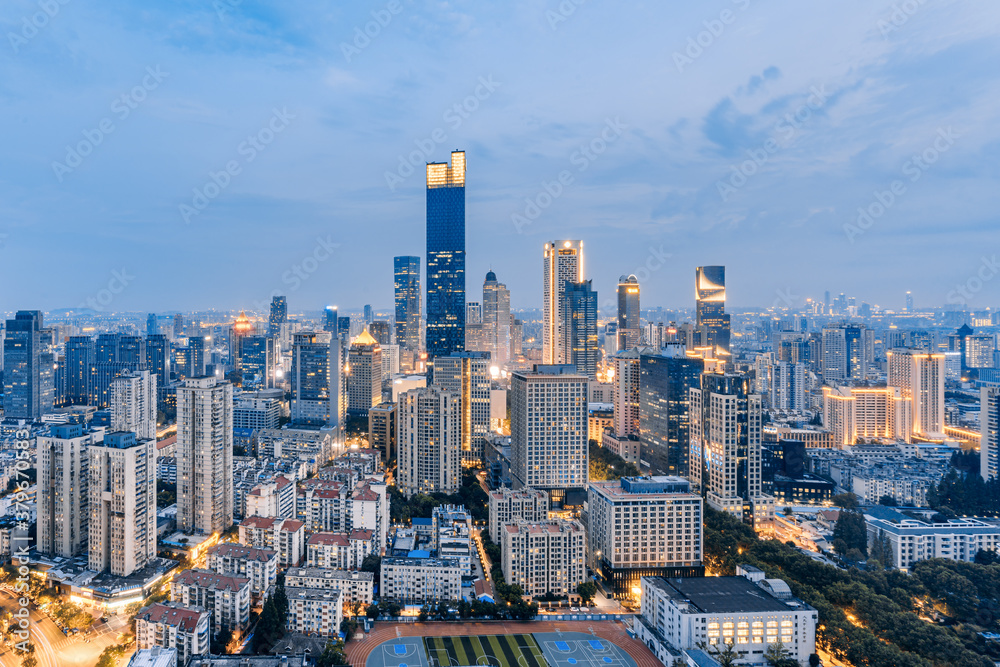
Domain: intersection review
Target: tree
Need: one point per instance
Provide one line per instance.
(984, 557)
(392, 609)
(725, 657)
(220, 644)
(332, 655)
(778, 656)
(270, 627)
(851, 533)
(29, 661)
(424, 614)
(372, 611)
(587, 590)
(847, 501)
(888, 501)
(881, 550)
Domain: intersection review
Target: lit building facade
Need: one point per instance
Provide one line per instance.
(205, 455)
(580, 343)
(406, 286)
(445, 331)
(665, 383)
(467, 375)
(429, 439)
(365, 385)
(628, 312)
(63, 512)
(317, 380)
(547, 557)
(562, 263)
(496, 320)
(712, 320)
(920, 378)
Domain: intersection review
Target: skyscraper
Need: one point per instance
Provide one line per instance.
(240, 328)
(406, 284)
(628, 312)
(496, 320)
(429, 445)
(79, 352)
(317, 379)
(845, 353)
(467, 376)
(909, 302)
(712, 320)
(279, 315)
(152, 327)
(62, 482)
(133, 404)
(204, 455)
(365, 384)
(446, 256)
(258, 361)
(106, 365)
(195, 357)
(122, 503)
(158, 358)
(665, 383)
(380, 331)
(178, 325)
(989, 432)
(580, 345)
(726, 445)
(920, 377)
(549, 431)
(24, 395)
(330, 320)
(369, 313)
(562, 262)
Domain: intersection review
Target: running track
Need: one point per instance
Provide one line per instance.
(358, 651)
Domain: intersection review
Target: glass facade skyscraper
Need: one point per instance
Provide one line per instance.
(406, 282)
(279, 315)
(628, 312)
(580, 327)
(446, 256)
(24, 390)
(665, 381)
(712, 320)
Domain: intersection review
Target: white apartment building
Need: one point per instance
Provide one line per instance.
(204, 455)
(275, 498)
(122, 503)
(508, 505)
(544, 557)
(133, 404)
(854, 413)
(418, 580)
(562, 262)
(327, 505)
(989, 426)
(339, 551)
(920, 378)
(644, 526)
(626, 392)
(170, 625)
(907, 490)
(315, 611)
(258, 565)
(286, 536)
(913, 540)
(549, 429)
(63, 495)
(429, 441)
(752, 614)
(226, 597)
(357, 586)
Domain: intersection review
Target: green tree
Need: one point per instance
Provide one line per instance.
(847, 501)
(850, 532)
(332, 655)
(726, 657)
(778, 656)
(424, 614)
(888, 501)
(372, 611)
(220, 643)
(587, 590)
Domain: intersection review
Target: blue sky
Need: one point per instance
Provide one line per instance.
(742, 133)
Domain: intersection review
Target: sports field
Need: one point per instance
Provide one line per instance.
(551, 649)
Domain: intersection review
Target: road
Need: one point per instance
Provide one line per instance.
(45, 634)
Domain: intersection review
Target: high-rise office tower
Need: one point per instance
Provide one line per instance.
(429, 442)
(845, 353)
(516, 338)
(106, 365)
(475, 338)
(726, 445)
(122, 503)
(317, 379)
(79, 353)
(467, 375)
(133, 404)
(580, 344)
(826, 302)
(920, 377)
(446, 256)
(132, 352)
(496, 320)
(158, 358)
(712, 320)
(330, 320)
(788, 386)
(909, 302)
(178, 325)
(626, 392)
(549, 431)
(989, 432)
(204, 455)
(380, 331)
(259, 361)
(665, 383)
(278, 315)
(196, 357)
(562, 263)
(62, 484)
(24, 395)
(152, 328)
(365, 383)
(628, 312)
(369, 313)
(406, 287)
(241, 328)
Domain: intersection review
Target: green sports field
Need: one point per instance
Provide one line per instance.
(494, 650)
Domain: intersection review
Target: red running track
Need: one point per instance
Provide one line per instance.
(358, 651)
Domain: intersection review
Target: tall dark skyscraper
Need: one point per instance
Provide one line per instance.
(279, 315)
(151, 326)
(628, 312)
(79, 353)
(330, 320)
(446, 256)
(369, 313)
(158, 359)
(178, 325)
(580, 327)
(665, 381)
(712, 320)
(406, 282)
(24, 391)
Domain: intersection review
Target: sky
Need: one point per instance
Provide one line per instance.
(211, 153)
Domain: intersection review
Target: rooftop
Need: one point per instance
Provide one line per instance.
(719, 595)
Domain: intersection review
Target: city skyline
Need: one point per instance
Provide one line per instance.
(661, 189)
